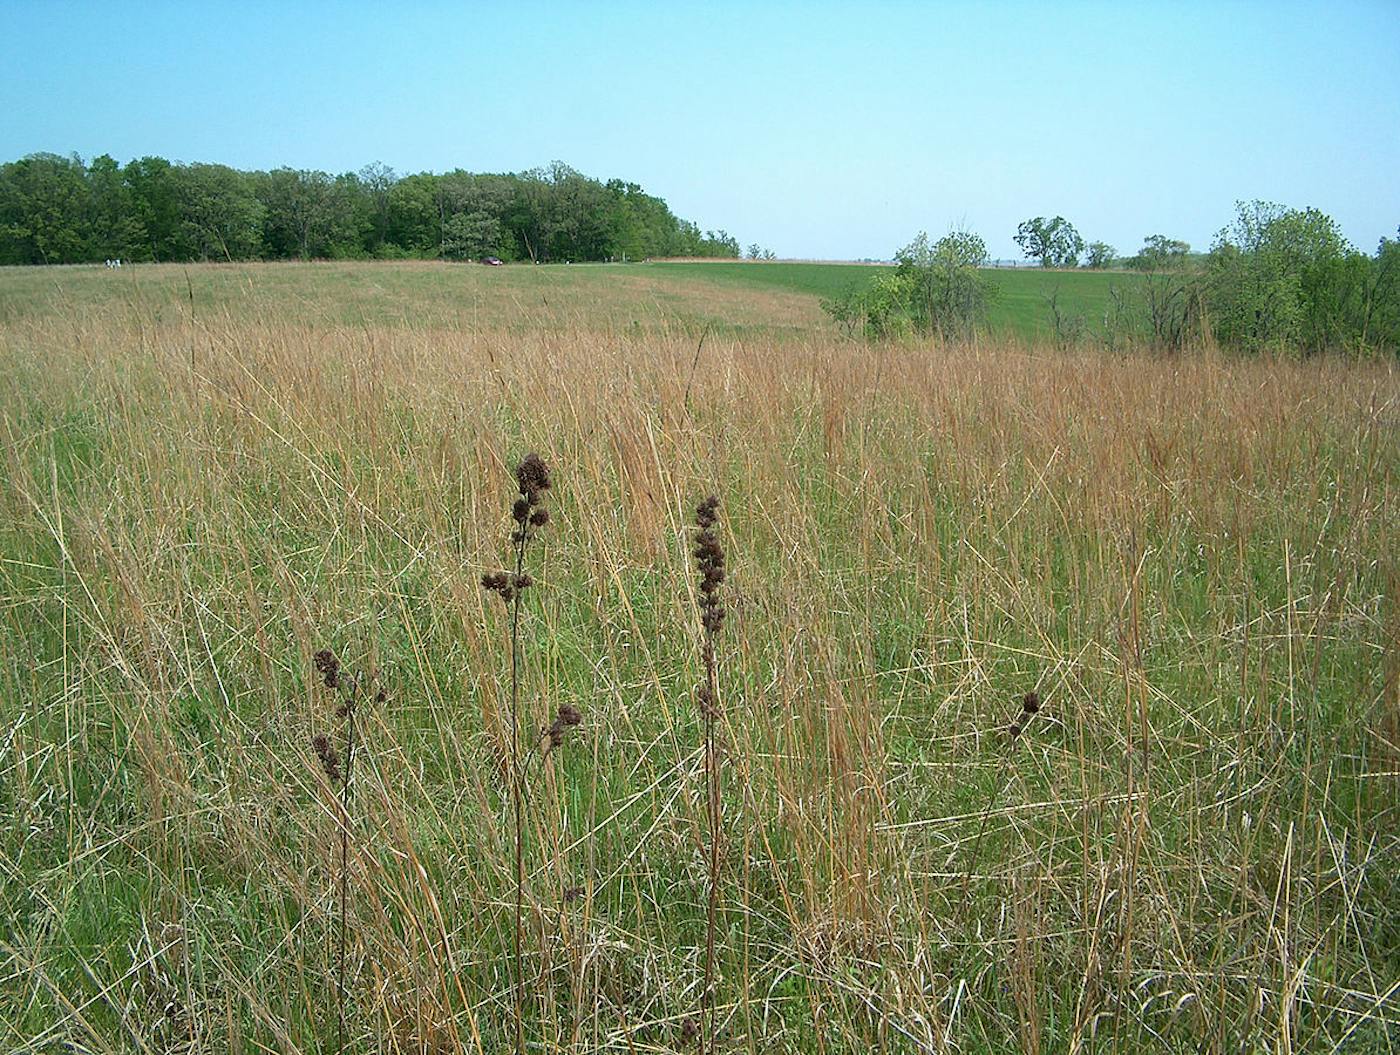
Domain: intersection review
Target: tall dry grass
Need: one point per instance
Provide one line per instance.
(1193, 847)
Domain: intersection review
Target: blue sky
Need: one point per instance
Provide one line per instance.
(819, 130)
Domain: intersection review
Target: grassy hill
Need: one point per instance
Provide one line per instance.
(725, 297)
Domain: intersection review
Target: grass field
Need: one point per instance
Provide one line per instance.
(769, 299)
(1194, 844)
(1019, 306)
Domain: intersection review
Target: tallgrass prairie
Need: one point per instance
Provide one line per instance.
(1190, 843)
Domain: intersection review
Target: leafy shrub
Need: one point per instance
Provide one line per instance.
(935, 289)
(1280, 277)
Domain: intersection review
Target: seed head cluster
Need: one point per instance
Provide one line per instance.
(529, 514)
(329, 756)
(532, 477)
(690, 1029)
(328, 667)
(505, 585)
(348, 688)
(567, 717)
(1030, 704)
(709, 561)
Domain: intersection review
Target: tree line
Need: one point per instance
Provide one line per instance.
(1275, 278)
(62, 210)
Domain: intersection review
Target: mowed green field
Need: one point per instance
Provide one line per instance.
(1020, 306)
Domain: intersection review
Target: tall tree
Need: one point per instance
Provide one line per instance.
(308, 214)
(1053, 242)
(151, 182)
(43, 209)
(113, 227)
(220, 217)
(413, 221)
(1159, 253)
(377, 183)
(1285, 277)
(1101, 255)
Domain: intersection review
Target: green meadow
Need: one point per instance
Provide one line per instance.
(726, 297)
(1019, 306)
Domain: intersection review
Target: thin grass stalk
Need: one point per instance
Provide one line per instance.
(712, 790)
(516, 793)
(532, 478)
(709, 560)
(344, 865)
(1030, 705)
(349, 686)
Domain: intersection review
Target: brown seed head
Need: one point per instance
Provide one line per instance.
(532, 476)
(330, 759)
(328, 666)
(500, 583)
(706, 513)
(709, 561)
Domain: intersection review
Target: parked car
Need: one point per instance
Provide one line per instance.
(491, 261)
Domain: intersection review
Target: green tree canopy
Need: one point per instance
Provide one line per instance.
(1287, 278)
(1101, 255)
(1053, 242)
(1160, 253)
(58, 210)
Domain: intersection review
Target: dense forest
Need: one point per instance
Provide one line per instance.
(61, 210)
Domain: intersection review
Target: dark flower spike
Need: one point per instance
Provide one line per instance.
(709, 562)
(504, 585)
(705, 701)
(532, 481)
(350, 689)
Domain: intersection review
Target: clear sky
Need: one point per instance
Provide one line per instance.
(820, 130)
